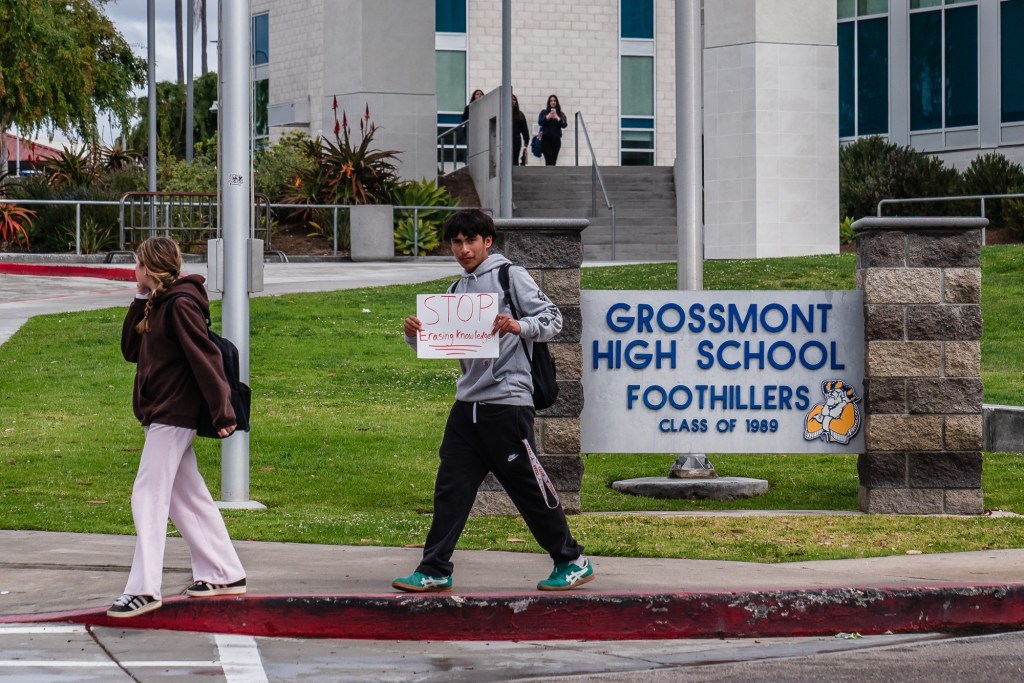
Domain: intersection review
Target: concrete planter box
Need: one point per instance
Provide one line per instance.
(373, 233)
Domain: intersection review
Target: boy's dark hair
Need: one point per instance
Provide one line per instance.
(470, 223)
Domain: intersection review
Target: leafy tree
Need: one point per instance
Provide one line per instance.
(171, 100)
(60, 64)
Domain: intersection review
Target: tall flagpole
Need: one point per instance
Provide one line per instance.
(190, 31)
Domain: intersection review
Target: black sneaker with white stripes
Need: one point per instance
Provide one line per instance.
(204, 589)
(133, 605)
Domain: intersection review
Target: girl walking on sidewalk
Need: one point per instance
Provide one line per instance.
(177, 368)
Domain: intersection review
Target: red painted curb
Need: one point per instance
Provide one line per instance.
(50, 270)
(589, 616)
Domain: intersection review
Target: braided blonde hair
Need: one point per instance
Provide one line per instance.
(162, 259)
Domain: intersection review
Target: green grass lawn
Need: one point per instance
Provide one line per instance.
(347, 423)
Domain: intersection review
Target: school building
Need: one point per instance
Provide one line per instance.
(785, 83)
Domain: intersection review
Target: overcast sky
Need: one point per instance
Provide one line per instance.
(129, 16)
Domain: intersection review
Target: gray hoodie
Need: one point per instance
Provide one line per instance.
(506, 379)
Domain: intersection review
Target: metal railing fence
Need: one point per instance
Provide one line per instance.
(967, 197)
(457, 153)
(77, 203)
(189, 217)
(338, 224)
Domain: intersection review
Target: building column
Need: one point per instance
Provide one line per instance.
(921, 279)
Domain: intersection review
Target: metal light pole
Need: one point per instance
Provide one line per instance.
(151, 77)
(689, 152)
(190, 31)
(689, 182)
(233, 103)
(505, 129)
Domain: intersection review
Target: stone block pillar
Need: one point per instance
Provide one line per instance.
(921, 279)
(552, 250)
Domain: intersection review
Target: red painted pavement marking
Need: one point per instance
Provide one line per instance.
(585, 615)
(49, 270)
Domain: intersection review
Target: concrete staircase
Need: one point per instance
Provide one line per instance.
(644, 198)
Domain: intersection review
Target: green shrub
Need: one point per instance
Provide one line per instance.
(177, 175)
(276, 168)
(846, 235)
(872, 169)
(95, 237)
(993, 173)
(420, 193)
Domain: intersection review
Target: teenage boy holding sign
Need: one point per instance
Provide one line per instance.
(490, 427)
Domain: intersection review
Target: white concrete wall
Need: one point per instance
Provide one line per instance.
(771, 135)
(319, 50)
(484, 152)
(376, 54)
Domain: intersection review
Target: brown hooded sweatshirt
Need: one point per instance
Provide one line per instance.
(177, 362)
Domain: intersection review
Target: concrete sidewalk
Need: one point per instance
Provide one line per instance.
(344, 592)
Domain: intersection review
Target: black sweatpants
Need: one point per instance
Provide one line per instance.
(481, 438)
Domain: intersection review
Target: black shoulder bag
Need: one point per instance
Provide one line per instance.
(542, 365)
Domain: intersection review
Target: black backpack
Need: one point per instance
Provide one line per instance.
(241, 394)
(542, 365)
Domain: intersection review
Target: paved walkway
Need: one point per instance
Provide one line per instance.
(332, 591)
(345, 592)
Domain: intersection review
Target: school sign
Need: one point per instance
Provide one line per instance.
(722, 372)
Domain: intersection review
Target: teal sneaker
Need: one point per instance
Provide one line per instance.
(421, 583)
(568, 575)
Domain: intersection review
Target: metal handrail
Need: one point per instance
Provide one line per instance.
(261, 206)
(77, 203)
(966, 197)
(595, 174)
(442, 147)
(179, 210)
(334, 209)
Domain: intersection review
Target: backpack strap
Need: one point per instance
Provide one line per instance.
(506, 290)
(184, 295)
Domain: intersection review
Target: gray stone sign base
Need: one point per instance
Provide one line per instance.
(718, 488)
(922, 367)
(552, 250)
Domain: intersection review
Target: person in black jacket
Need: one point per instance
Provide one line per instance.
(177, 364)
(477, 94)
(551, 122)
(520, 134)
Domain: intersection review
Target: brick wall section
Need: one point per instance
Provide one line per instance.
(552, 250)
(922, 387)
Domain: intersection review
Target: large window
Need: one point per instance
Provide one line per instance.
(636, 83)
(638, 19)
(863, 36)
(451, 80)
(451, 68)
(943, 64)
(260, 42)
(450, 16)
(1011, 29)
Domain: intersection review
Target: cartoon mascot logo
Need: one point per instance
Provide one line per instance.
(838, 418)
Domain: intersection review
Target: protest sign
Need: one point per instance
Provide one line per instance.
(457, 325)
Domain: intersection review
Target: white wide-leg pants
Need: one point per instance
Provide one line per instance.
(169, 485)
